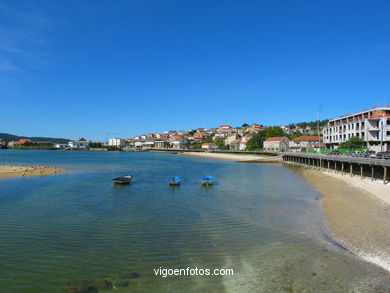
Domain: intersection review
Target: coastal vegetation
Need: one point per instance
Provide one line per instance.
(354, 142)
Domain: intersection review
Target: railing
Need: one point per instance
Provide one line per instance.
(341, 158)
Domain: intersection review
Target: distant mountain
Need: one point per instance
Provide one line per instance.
(8, 137)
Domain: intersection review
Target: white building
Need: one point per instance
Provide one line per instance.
(60, 145)
(117, 142)
(279, 144)
(304, 143)
(243, 142)
(179, 143)
(78, 144)
(144, 143)
(209, 146)
(372, 126)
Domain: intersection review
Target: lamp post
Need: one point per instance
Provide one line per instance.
(381, 130)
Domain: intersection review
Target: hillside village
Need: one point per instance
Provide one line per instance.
(369, 129)
(224, 137)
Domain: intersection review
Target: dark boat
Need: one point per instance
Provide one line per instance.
(174, 180)
(207, 180)
(122, 179)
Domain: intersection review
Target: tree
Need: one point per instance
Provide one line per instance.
(274, 131)
(354, 142)
(245, 125)
(256, 141)
(221, 144)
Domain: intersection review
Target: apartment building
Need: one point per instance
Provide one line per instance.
(117, 142)
(372, 126)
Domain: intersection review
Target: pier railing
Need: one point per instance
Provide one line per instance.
(340, 158)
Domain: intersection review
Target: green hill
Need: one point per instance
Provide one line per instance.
(8, 137)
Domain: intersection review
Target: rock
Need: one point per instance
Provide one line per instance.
(122, 284)
(132, 275)
(81, 289)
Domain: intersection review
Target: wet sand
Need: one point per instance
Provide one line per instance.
(359, 220)
(239, 157)
(22, 170)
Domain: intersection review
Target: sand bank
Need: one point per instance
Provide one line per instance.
(358, 213)
(239, 157)
(21, 170)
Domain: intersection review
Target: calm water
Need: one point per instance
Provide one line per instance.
(263, 221)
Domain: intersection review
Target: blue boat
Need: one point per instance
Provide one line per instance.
(207, 180)
(174, 180)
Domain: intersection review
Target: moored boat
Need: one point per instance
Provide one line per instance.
(122, 179)
(176, 180)
(207, 180)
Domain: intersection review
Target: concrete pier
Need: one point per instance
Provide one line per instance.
(363, 167)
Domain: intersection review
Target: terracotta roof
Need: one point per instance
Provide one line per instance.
(306, 138)
(236, 141)
(208, 143)
(225, 125)
(277, 138)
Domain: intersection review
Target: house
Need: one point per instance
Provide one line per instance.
(244, 140)
(225, 126)
(199, 136)
(235, 145)
(303, 143)
(78, 144)
(220, 135)
(23, 141)
(231, 137)
(209, 146)
(254, 128)
(60, 145)
(161, 144)
(144, 143)
(179, 142)
(280, 144)
(116, 142)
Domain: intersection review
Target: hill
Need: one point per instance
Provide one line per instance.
(8, 137)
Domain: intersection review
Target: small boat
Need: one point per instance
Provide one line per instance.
(122, 179)
(174, 180)
(207, 180)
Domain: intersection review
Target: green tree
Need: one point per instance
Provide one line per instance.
(245, 125)
(354, 142)
(274, 131)
(256, 142)
(221, 144)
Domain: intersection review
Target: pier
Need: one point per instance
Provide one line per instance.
(345, 165)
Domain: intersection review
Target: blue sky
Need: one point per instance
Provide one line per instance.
(87, 68)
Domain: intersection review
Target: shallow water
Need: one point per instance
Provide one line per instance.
(264, 221)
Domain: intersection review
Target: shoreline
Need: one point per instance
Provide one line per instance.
(237, 157)
(358, 213)
(12, 170)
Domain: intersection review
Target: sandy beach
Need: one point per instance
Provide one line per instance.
(24, 170)
(358, 213)
(238, 157)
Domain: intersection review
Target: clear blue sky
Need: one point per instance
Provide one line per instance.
(87, 68)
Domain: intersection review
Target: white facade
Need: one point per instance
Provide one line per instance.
(78, 144)
(276, 144)
(117, 142)
(209, 146)
(60, 145)
(179, 143)
(372, 126)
